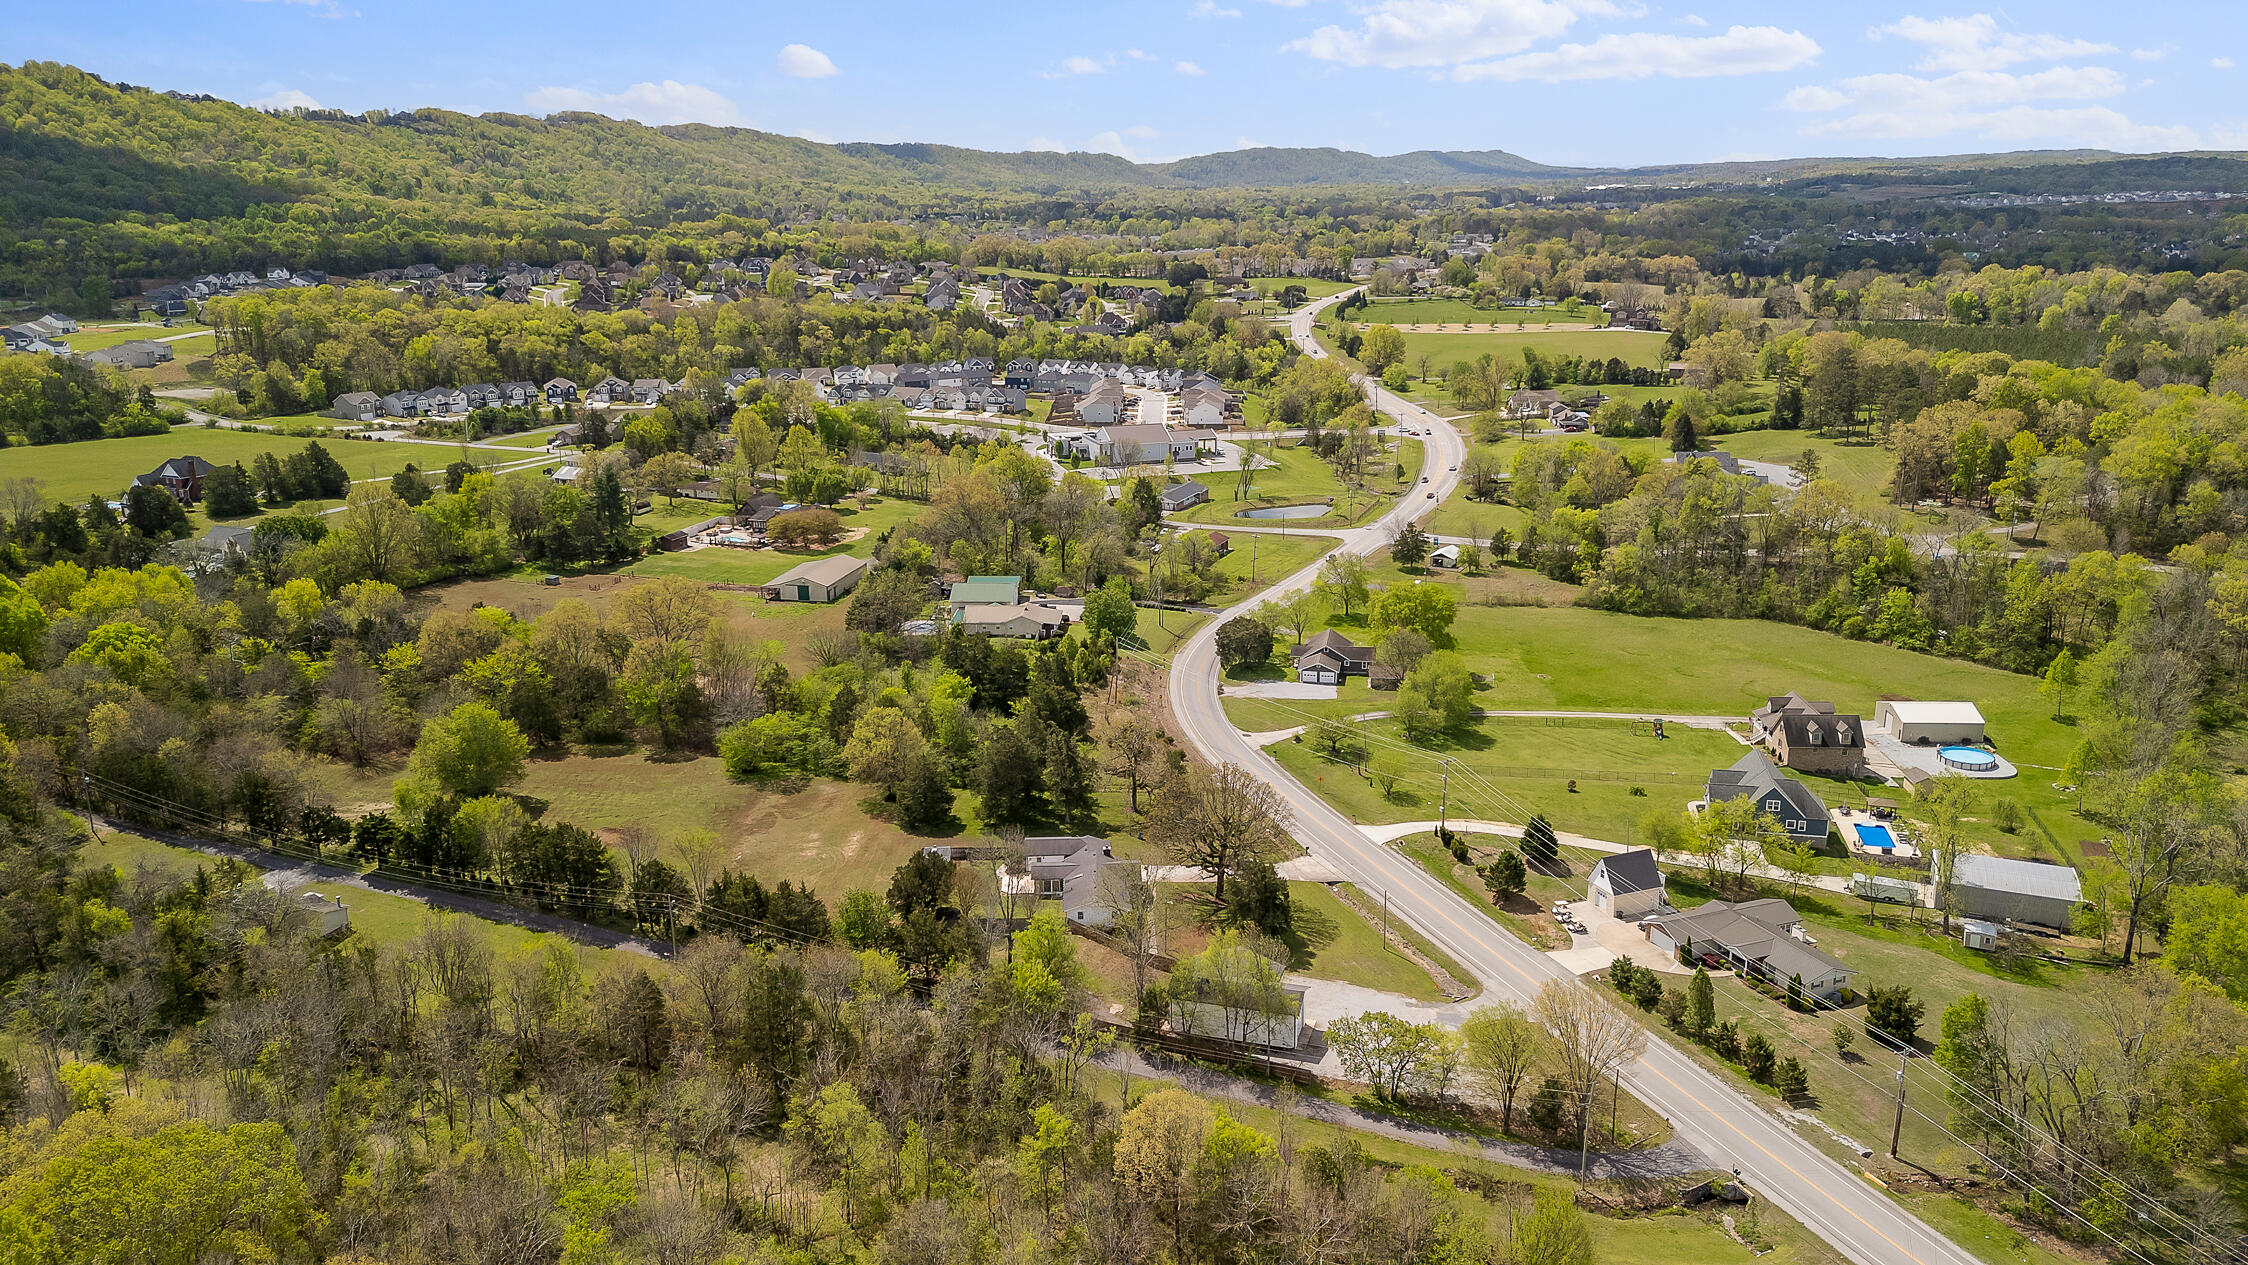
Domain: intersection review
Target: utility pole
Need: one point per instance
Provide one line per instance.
(1444, 803)
(1584, 1136)
(1897, 1130)
(1252, 560)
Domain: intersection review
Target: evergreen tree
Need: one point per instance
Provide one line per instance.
(228, 492)
(1009, 775)
(1701, 1003)
(610, 512)
(1540, 845)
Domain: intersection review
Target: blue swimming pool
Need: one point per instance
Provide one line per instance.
(1876, 837)
(1968, 759)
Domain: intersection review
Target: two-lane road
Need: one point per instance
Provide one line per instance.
(1736, 1132)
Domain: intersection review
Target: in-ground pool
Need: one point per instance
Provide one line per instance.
(1286, 511)
(1967, 759)
(1877, 838)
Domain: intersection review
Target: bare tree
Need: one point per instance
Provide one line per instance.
(1217, 818)
(1596, 1040)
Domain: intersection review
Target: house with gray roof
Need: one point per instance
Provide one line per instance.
(1800, 813)
(1627, 885)
(1329, 657)
(1763, 938)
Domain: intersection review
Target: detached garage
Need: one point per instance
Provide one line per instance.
(1929, 723)
(819, 580)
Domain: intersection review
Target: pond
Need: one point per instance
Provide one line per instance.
(1286, 511)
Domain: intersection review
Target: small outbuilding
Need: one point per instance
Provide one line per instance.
(1977, 934)
(1929, 723)
(1627, 884)
(818, 579)
(2003, 889)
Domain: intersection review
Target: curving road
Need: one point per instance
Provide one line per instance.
(1736, 1132)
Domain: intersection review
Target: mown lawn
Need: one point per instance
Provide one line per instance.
(1577, 659)
(376, 917)
(1334, 943)
(1633, 347)
(1300, 477)
(73, 472)
(1461, 312)
(95, 337)
(1274, 558)
(1866, 469)
(1505, 768)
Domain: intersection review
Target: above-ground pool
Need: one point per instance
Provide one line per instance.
(1968, 759)
(1876, 838)
(1286, 511)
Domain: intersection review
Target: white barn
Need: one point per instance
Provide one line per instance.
(1929, 723)
(1626, 885)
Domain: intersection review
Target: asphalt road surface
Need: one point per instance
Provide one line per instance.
(1734, 1131)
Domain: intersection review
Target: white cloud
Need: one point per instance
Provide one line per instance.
(1124, 144)
(652, 103)
(1211, 9)
(1693, 19)
(1187, 68)
(286, 99)
(1139, 54)
(1897, 94)
(2221, 63)
(1988, 105)
(1408, 33)
(1975, 42)
(2151, 54)
(802, 61)
(1741, 50)
(1073, 66)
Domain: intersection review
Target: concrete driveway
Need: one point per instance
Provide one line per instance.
(1279, 689)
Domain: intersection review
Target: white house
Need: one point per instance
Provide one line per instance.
(1627, 885)
(1929, 723)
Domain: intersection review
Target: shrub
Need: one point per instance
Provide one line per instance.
(777, 741)
(1757, 1058)
(1892, 1015)
(798, 529)
(1791, 1080)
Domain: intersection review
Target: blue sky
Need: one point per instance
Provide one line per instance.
(1581, 82)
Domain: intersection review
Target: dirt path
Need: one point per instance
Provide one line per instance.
(1671, 1159)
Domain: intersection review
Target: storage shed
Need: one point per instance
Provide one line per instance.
(818, 580)
(1999, 889)
(1918, 722)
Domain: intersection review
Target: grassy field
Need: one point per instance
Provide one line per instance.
(757, 566)
(816, 833)
(1299, 476)
(1863, 468)
(1506, 768)
(1334, 943)
(1275, 558)
(1461, 312)
(1575, 659)
(95, 337)
(376, 917)
(73, 472)
(1633, 347)
(1457, 515)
